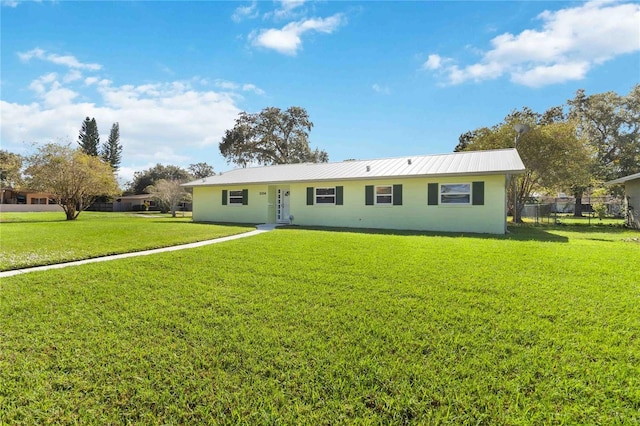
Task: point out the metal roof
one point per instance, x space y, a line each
503 161
623 179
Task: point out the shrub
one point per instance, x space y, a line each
600 209
140 208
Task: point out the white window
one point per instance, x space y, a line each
455 193
235 197
326 195
384 195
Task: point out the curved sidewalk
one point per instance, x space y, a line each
259 230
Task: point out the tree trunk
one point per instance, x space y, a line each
70 211
518 218
577 211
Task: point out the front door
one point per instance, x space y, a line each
282 203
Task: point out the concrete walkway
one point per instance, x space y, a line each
260 229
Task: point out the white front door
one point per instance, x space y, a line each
282 203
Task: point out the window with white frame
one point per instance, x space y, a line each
384 195
455 193
235 197
325 195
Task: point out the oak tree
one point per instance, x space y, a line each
271 136
611 123
147 178
553 154
201 170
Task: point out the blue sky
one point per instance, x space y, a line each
379 79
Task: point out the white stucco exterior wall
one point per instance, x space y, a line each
632 190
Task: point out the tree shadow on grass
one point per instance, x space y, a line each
16 221
515 234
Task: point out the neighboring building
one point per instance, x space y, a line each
13 200
458 192
14 196
632 197
127 203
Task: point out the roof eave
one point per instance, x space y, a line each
623 179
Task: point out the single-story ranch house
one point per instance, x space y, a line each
458 192
632 197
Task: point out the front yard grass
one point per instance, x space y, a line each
316 327
33 239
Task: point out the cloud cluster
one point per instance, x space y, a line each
233 86
288 38
570 43
288 9
246 12
65 60
159 122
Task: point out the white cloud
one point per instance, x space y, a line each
288 9
570 43
245 12
384 90
72 75
288 39
233 86
434 62
65 60
38 85
33 53
10 3
225 84
162 122
557 73
252 88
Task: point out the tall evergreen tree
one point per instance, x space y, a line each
112 150
89 138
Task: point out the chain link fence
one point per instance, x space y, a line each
549 210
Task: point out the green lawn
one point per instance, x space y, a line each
316 327
33 239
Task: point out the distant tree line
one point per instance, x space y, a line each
569 148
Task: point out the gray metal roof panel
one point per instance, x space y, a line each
504 161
